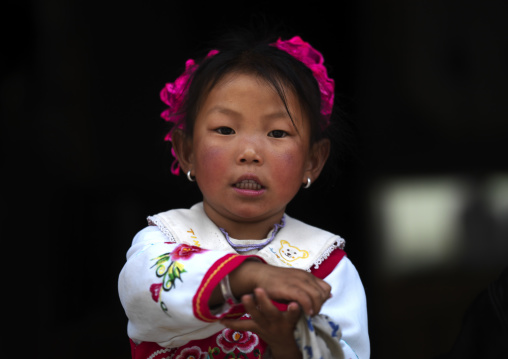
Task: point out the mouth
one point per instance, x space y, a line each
249 184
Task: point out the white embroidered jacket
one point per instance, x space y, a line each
174 264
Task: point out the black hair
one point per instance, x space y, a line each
243 53
255 57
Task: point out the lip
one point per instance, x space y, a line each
251 185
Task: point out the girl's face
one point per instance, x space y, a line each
248 158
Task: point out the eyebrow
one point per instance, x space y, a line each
229 111
224 110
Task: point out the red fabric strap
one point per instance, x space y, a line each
329 264
211 279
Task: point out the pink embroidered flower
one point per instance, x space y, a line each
192 353
313 59
184 251
230 339
155 289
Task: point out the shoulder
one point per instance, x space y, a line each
306 230
330 263
345 276
149 234
178 214
332 245
174 222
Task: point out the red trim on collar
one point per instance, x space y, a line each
328 264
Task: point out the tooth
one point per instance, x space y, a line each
248 184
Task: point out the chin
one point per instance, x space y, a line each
255 213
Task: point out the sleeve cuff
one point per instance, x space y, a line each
213 276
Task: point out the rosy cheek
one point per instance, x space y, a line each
213 154
212 161
289 163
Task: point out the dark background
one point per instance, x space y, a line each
424 84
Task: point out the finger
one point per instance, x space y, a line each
250 304
261 309
311 300
319 293
306 301
326 288
252 308
241 325
316 292
293 312
264 303
322 288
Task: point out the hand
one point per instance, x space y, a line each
276 328
283 285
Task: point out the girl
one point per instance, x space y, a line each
234 276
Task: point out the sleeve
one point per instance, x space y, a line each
164 288
348 308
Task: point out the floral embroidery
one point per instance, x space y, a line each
155 289
169 270
192 353
213 351
160 352
229 340
184 251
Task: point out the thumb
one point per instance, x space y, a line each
293 313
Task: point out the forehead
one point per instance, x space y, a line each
234 91
247 82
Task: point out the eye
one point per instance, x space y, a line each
225 130
277 134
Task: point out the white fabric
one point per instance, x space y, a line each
147 322
348 308
318 337
178 325
290 248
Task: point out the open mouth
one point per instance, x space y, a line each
248 184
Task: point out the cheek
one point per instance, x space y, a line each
290 165
288 174
211 162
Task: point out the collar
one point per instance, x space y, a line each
296 245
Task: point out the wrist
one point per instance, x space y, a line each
235 284
243 279
227 294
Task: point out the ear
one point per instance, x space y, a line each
182 145
318 156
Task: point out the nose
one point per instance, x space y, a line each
250 154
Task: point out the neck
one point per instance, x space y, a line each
258 246
242 231
238 228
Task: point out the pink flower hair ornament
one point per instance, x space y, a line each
313 59
174 93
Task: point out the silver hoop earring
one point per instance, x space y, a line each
189 177
308 183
